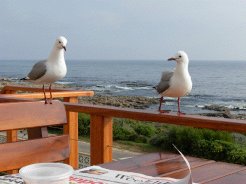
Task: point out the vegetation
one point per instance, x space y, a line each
216 145
84 125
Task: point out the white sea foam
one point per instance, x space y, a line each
63 82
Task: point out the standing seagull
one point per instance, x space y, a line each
52 69
177 83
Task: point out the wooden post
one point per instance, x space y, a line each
72 130
11 134
101 139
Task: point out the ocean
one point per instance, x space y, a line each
214 82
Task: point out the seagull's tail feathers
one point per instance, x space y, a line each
25 78
156 88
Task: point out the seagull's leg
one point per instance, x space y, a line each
45 99
51 98
179 112
161 101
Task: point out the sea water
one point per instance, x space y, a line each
214 82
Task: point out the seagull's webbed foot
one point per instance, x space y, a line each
180 113
159 109
45 98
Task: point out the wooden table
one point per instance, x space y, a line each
169 165
165 164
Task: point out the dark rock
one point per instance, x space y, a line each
240 116
222 111
219 114
215 107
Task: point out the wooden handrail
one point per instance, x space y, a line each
10 91
101 124
154 116
55 94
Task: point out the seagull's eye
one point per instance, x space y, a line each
59 41
179 56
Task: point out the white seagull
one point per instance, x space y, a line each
175 83
50 70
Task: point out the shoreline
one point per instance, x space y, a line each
135 102
139 102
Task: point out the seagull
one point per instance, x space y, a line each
175 83
50 70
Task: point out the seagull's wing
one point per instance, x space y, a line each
164 82
38 70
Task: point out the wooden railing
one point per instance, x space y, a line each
101 123
9 94
69 95
102 116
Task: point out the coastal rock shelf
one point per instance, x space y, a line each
136 102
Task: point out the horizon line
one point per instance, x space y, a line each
126 59
101 60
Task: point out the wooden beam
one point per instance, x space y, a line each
18 154
155 116
59 94
31 114
101 139
11 134
72 130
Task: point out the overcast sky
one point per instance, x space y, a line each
124 29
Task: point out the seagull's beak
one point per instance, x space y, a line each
171 59
64 48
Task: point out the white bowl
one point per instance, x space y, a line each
46 173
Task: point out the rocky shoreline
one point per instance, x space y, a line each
140 102
136 102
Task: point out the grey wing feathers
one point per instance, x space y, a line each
164 82
38 70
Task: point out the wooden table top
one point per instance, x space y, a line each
171 165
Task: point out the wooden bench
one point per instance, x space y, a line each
22 93
26 115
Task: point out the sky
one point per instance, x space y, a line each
124 29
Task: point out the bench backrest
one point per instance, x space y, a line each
24 115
